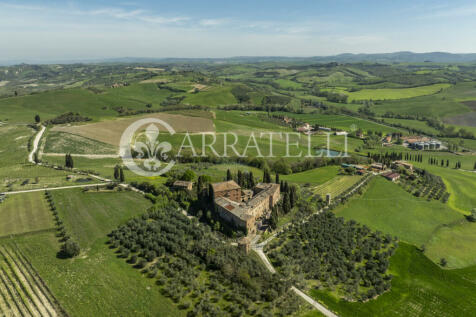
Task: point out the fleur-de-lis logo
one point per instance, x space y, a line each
151 149
150 155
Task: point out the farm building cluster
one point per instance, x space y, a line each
308 129
243 208
422 143
391 173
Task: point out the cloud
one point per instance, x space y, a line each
116 13
212 22
445 12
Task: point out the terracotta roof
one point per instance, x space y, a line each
391 175
228 185
182 183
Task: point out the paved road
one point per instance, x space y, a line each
265 260
318 306
258 248
35 144
269 266
90 156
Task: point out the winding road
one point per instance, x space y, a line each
258 248
36 141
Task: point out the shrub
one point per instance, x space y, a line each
70 249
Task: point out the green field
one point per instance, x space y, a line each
15 171
23 213
215 96
459 184
96 282
419 288
385 206
96 106
315 176
89 216
62 142
342 122
455 243
401 93
446 103
285 83
413 124
336 185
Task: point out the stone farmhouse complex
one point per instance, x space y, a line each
243 207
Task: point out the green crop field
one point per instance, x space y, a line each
387 207
336 185
91 215
413 124
456 243
23 213
96 282
215 96
446 103
62 142
99 284
419 288
315 176
96 106
400 93
286 83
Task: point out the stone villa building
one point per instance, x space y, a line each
243 207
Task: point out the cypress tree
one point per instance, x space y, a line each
240 178
211 195
251 180
286 203
228 175
116 172
274 218
121 175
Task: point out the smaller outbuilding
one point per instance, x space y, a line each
392 176
184 185
404 164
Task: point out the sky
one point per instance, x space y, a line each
68 30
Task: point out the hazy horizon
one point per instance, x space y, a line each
55 30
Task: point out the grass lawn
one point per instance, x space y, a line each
419 288
387 207
22 213
315 176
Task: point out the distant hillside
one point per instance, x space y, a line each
396 57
